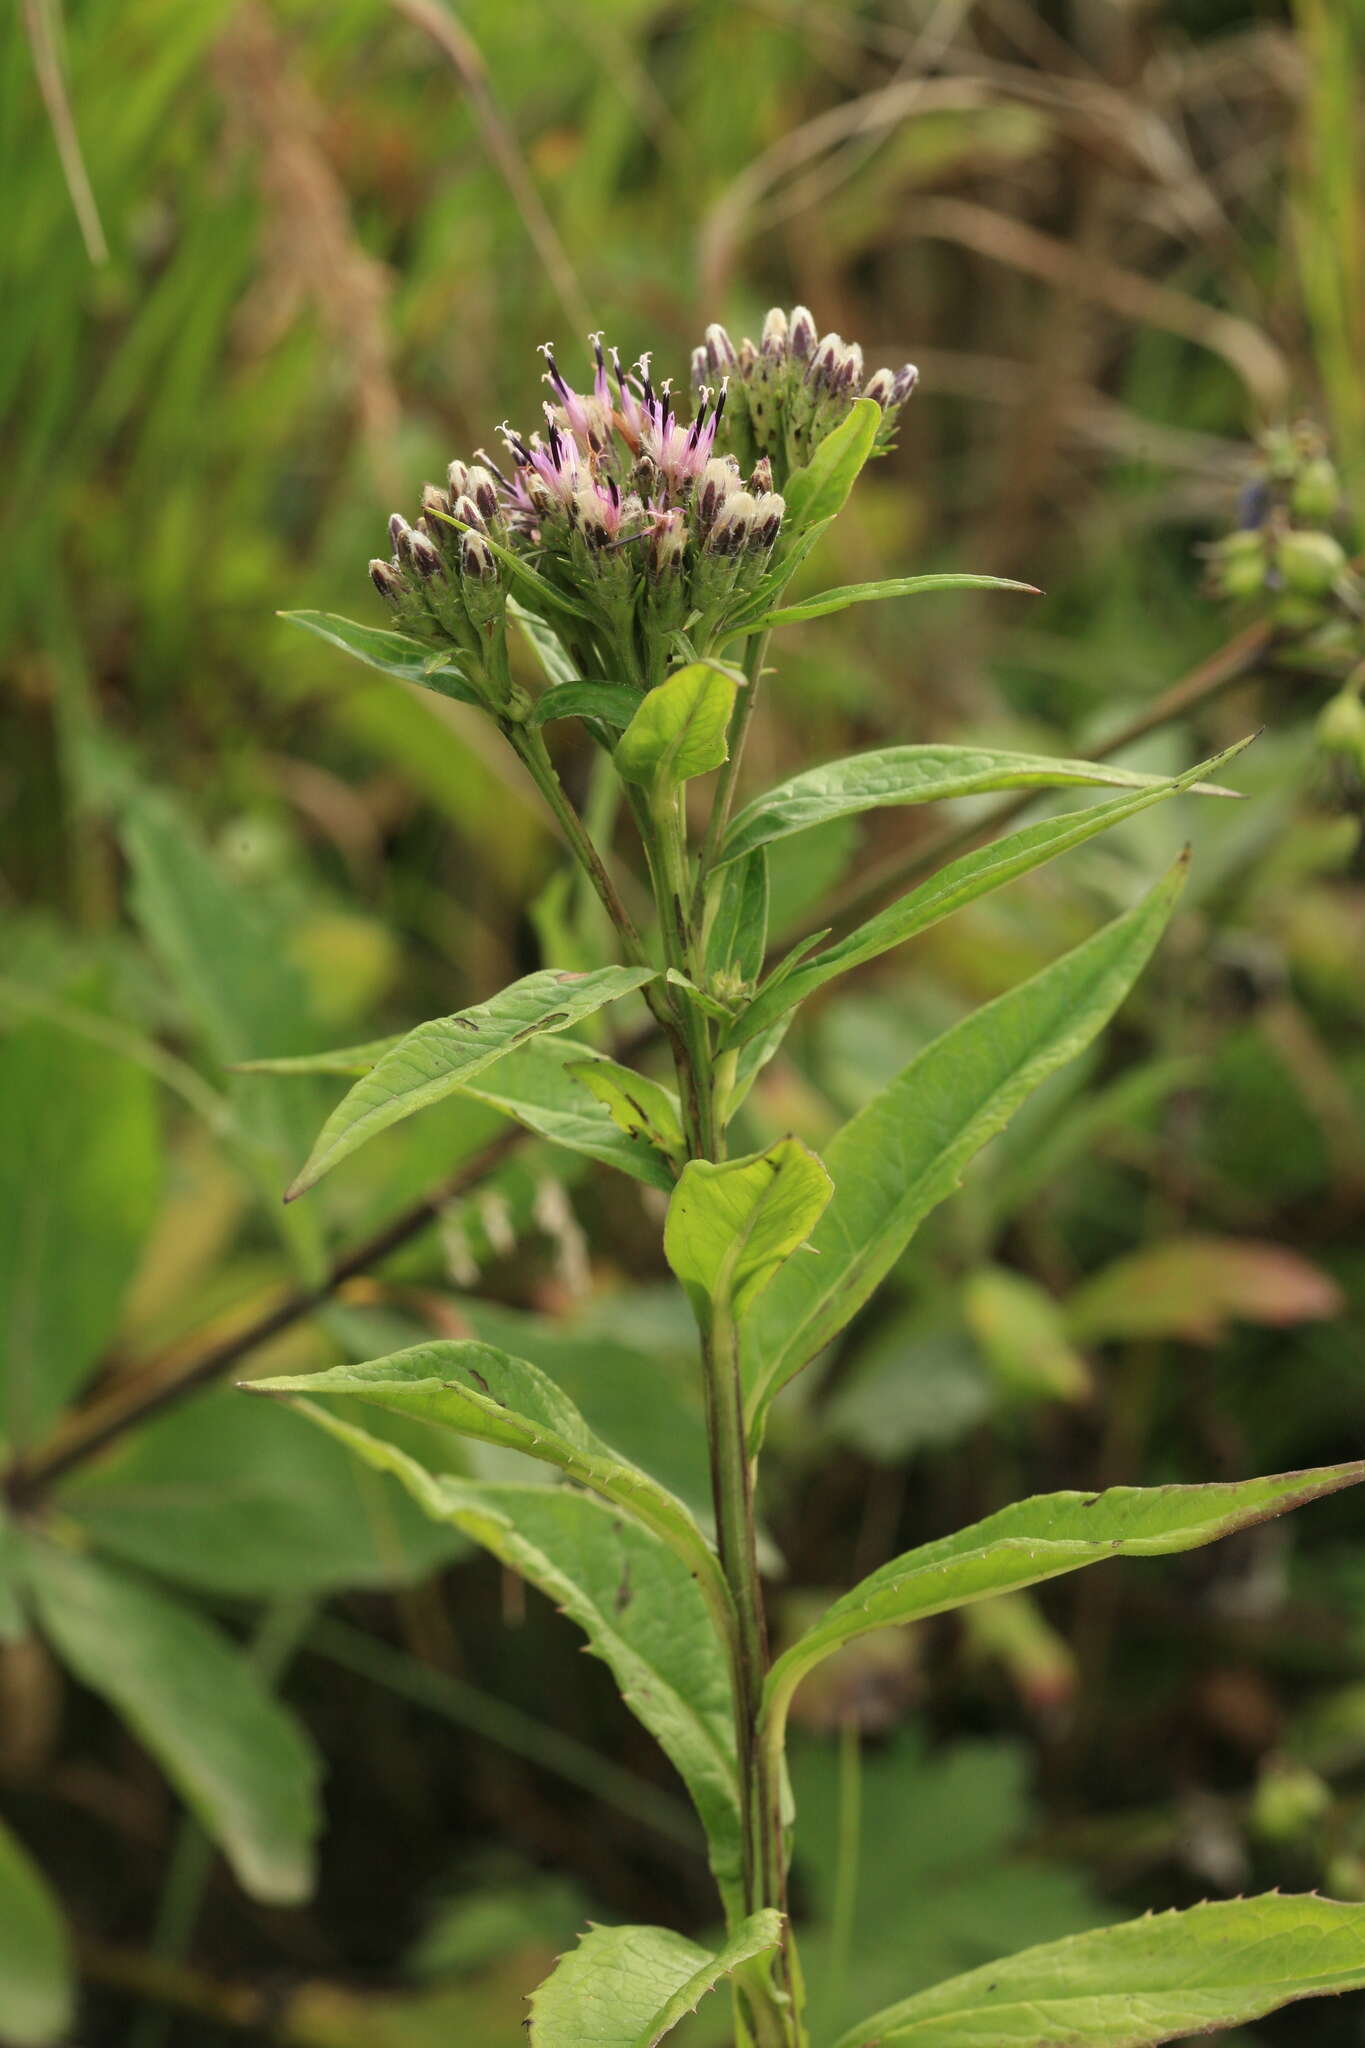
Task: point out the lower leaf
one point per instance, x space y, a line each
626 1987
1152 1980
36 1992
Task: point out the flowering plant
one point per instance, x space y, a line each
643 560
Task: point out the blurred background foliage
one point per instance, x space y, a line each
267 266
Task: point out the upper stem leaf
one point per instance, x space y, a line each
626 1987
731 1226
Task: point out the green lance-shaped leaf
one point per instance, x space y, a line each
912 775
679 729
634 1599
393 654
820 490
641 1109
615 704
1041 1539
541 1084
1163 1978
241 1762
437 1058
626 1987
847 594
37 1992
481 1392
731 1226
906 1150
954 886
737 923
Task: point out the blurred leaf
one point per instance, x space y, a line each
80 1173
944 1828
913 775
393 654
37 1992
1041 1538
487 1394
1022 1332
1192 1287
731 1226
1152 1980
237 1497
241 1762
434 1060
905 1152
916 1385
635 1601
626 1987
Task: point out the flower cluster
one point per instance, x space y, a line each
634 534
1284 547
795 387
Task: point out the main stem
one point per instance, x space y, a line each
766 1994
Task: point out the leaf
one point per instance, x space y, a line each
737 927
636 1602
80 1176
563 1090
235 1497
37 1992
1022 1332
393 654
971 1863
342 1059
1162 1978
240 1761
640 1108
438 1057
614 703
960 883
1041 1539
479 1391
1192 1287
906 1150
892 586
913 775
679 730
731 1226
549 650
819 490
626 1987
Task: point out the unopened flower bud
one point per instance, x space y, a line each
775 333
801 335
1310 562
720 350
387 581
718 479
701 369
880 386
424 554
827 358
434 501
668 542
476 559
399 535
457 477
468 513
1316 495
851 367
907 377
762 478
481 487
731 530
767 519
